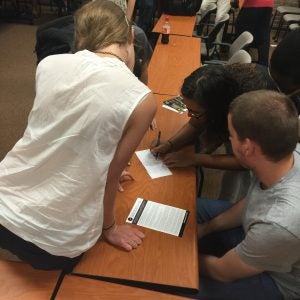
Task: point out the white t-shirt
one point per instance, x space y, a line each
52 182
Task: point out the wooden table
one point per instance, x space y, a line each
180 25
171 63
78 288
20 281
162 259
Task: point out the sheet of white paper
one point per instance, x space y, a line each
155 167
157 216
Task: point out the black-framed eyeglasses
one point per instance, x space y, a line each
195 115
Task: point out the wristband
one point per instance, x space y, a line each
109 227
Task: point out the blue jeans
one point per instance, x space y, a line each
258 287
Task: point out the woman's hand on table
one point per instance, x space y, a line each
163 147
124 236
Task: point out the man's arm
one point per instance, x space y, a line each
134 131
230 218
227 268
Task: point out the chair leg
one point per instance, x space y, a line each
273 19
280 24
233 22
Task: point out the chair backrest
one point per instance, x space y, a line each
243 40
241 56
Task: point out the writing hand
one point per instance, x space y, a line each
180 159
124 236
162 148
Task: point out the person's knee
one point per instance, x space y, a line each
209 208
203 209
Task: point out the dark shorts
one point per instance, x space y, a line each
35 256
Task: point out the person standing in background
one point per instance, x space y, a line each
146 12
255 17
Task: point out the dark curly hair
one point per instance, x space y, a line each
214 87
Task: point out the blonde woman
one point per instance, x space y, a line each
58 183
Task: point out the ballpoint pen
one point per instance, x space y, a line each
157 143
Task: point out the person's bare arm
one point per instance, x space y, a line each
130 8
140 120
227 268
182 159
183 137
229 219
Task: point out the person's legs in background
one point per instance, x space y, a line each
263 35
256 21
244 21
146 12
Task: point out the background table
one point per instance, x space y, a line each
180 25
172 62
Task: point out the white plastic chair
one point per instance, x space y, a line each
283 10
241 42
241 56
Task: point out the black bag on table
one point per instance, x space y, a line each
181 7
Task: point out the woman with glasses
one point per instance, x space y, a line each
58 183
207 93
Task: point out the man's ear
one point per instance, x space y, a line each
248 147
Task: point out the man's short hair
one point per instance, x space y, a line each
285 59
268 118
